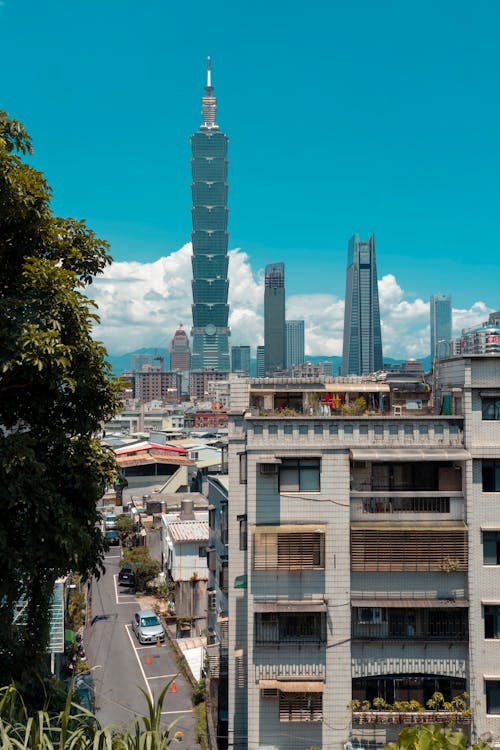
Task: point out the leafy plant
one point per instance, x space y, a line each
198 692
145 568
435 701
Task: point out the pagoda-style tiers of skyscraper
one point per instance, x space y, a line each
210 238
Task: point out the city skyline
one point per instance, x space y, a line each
428 157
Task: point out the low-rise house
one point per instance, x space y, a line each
184 549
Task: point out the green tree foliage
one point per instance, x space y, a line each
145 568
55 391
124 526
433 737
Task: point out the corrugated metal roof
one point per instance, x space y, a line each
146 459
188 531
147 446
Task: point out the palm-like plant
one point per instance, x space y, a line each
75 728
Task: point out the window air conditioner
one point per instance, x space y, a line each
268 469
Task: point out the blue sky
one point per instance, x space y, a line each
368 116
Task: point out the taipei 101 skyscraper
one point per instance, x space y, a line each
209 238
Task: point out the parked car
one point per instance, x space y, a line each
112 536
126 576
110 521
147 627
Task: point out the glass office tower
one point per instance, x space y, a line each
274 319
294 343
440 305
362 350
240 359
209 237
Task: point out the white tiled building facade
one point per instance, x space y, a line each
363 574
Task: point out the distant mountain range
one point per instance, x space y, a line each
122 362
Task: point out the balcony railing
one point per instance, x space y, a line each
375 631
411 717
406 505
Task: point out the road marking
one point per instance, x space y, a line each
189 711
127 628
115 576
162 676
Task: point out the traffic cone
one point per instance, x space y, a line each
148 658
174 686
158 641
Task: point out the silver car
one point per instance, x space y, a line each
147 627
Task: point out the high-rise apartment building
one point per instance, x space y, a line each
152 383
274 318
362 350
240 359
440 316
260 363
348 619
180 353
294 343
209 238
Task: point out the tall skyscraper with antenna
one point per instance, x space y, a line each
209 237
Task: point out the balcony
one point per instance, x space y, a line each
409 546
410 624
449 718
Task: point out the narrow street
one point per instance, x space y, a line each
121 667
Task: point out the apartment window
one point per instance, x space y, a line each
318 429
289 548
438 429
272 429
491 547
243 468
257 430
243 531
299 475
423 429
212 559
288 429
202 551
301 706
223 524
492 621
493 697
212 600
393 429
211 517
408 429
224 577
293 627
490 408
363 429
348 429
333 429
303 429
491 475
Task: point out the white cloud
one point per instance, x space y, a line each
141 305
